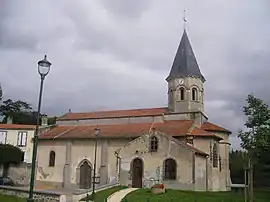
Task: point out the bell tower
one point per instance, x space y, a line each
185 81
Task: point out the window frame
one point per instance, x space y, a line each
52 158
182 93
5 139
170 95
153 147
170 169
19 142
215 155
194 94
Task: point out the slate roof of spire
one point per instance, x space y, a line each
185 63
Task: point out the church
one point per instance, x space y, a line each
175 145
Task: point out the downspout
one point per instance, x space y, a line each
118 166
193 171
206 179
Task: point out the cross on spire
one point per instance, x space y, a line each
184 19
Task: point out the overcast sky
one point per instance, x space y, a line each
116 54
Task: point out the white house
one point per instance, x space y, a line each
21 135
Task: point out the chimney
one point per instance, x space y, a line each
44 120
69 111
9 120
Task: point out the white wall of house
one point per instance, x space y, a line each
21 138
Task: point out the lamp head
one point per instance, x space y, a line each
97 132
44 67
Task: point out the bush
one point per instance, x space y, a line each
10 154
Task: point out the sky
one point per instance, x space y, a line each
109 55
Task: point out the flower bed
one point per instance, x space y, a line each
158 189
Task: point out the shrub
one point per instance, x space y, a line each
161 186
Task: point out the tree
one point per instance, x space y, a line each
21 113
10 107
18 110
52 120
238 158
9 154
255 137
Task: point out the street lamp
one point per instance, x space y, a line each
97 133
43 69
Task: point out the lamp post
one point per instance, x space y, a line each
43 70
97 133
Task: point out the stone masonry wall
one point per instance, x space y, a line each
19 174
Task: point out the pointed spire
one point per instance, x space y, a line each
185 63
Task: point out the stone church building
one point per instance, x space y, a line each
175 145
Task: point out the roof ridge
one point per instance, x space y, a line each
191 128
113 110
69 129
114 113
151 126
128 123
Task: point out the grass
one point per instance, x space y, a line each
6 198
102 195
144 195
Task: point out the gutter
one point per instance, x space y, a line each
118 165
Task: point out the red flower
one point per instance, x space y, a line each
161 186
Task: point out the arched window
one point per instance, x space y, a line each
194 94
170 169
153 144
215 155
182 93
220 163
52 159
170 97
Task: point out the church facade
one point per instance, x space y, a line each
174 145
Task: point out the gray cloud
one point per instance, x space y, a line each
116 55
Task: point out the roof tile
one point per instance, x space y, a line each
114 114
17 126
200 132
212 127
174 128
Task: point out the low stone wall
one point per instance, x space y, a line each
20 174
38 195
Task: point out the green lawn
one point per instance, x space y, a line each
102 195
6 198
144 195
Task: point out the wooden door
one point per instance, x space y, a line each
137 173
85 176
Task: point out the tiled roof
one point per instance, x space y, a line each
17 126
212 127
173 128
114 114
200 132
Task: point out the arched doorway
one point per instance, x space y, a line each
85 176
137 173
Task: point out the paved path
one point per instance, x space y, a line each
119 195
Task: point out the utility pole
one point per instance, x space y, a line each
250 179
